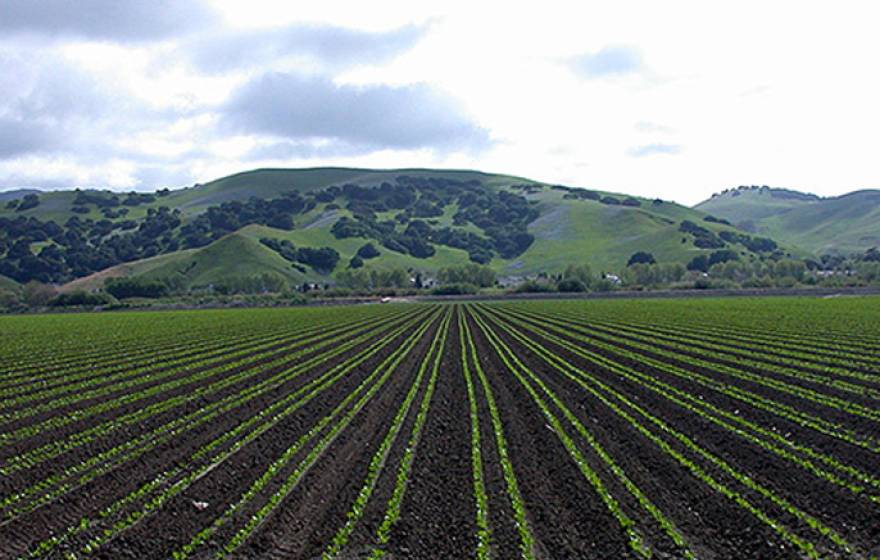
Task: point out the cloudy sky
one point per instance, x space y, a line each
672 99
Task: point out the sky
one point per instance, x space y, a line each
668 99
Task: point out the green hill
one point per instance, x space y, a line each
835 225
261 183
278 224
8 284
231 260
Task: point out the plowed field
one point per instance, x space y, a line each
746 428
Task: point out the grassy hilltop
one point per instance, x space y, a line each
843 224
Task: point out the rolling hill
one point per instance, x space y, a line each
8 284
836 225
419 219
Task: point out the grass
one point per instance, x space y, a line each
842 224
583 231
347 248
234 256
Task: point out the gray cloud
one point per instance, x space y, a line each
609 61
654 149
119 20
331 46
52 107
301 108
56 113
39 95
45 87
19 137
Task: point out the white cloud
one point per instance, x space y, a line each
736 90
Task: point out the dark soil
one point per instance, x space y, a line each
564 512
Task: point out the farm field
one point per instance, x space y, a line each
693 428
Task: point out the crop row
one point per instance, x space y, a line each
727 379
334 422
798 369
759 344
309 432
58 484
81 341
614 358
127 511
122 360
127 381
690 455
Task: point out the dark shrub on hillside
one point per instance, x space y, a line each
325 196
722 256
368 251
754 244
407 244
708 242
426 209
136 199
631 201
480 256
122 288
417 228
323 260
283 247
688 226
610 200
699 263
703 238
761 245
715 220
355 262
641 257
346 227
29 201
280 221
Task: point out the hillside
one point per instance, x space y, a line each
305 225
836 225
261 183
8 284
16 193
